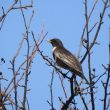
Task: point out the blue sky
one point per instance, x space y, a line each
64 20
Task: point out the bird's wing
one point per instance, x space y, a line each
68 58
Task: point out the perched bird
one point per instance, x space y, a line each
66 59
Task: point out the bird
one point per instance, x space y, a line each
65 59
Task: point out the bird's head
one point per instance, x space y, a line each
56 42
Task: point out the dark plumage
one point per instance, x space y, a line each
66 59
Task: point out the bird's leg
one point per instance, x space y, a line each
75 84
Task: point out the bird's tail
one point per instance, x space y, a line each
82 76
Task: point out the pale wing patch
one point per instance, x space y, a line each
69 59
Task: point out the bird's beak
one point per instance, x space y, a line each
49 41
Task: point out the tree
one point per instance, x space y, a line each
14 94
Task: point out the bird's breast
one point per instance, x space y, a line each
54 48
